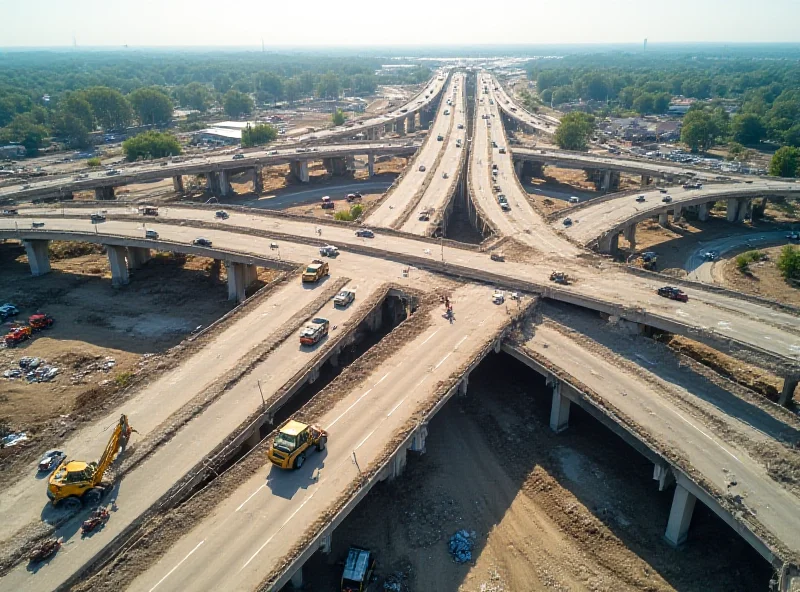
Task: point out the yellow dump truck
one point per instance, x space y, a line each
316 270
293 441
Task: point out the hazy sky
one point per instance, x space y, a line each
413 22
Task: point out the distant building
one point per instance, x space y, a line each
12 151
680 105
219 135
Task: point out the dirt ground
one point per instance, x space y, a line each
762 278
94 324
575 511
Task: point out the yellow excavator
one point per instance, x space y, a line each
75 483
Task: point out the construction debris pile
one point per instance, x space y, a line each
100 365
461 544
33 369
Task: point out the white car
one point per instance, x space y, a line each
498 297
574 200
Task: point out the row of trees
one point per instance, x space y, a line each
71 94
258 135
151 144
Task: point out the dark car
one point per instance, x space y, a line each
8 310
672 293
222 215
51 459
365 233
201 242
97 218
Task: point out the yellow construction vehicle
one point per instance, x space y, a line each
75 483
315 271
288 449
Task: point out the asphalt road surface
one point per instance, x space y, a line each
720 460
390 212
701 269
239 543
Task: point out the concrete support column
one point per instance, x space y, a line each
606 183
645 180
177 183
663 219
744 209
325 543
664 475
733 209
463 385
250 274
680 516
411 123
388 128
630 236
297 579
676 213
559 411
225 188
400 126
609 244
335 166
371 164
137 256
236 285
258 181
787 393
38 252
518 169
702 212
212 183
300 170
418 440
104 193
117 257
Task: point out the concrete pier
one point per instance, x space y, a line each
677 213
745 205
104 193
118 259
38 252
559 411
411 123
663 219
680 516
371 164
240 276
733 209
702 212
630 235
297 579
177 184
299 169
609 244
418 440
787 393
137 257
258 181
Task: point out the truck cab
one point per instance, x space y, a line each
315 271
358 568
289 447
314 331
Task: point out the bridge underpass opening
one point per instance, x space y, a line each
389 313
550 511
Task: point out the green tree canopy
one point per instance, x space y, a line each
74 120
789 262
194 96
237 103
701 129
747 129
328 86
258 135
270 84
785 162
25 130
111 110
644 104
338 117
151 144
152 106
574 131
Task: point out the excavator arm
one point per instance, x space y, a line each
122 432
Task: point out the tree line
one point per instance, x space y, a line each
70 95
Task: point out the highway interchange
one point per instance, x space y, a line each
246 537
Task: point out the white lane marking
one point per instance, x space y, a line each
251 497
442 360
396 406
720 446
463 339
382 379
276 533
177 566
333 423
366 438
